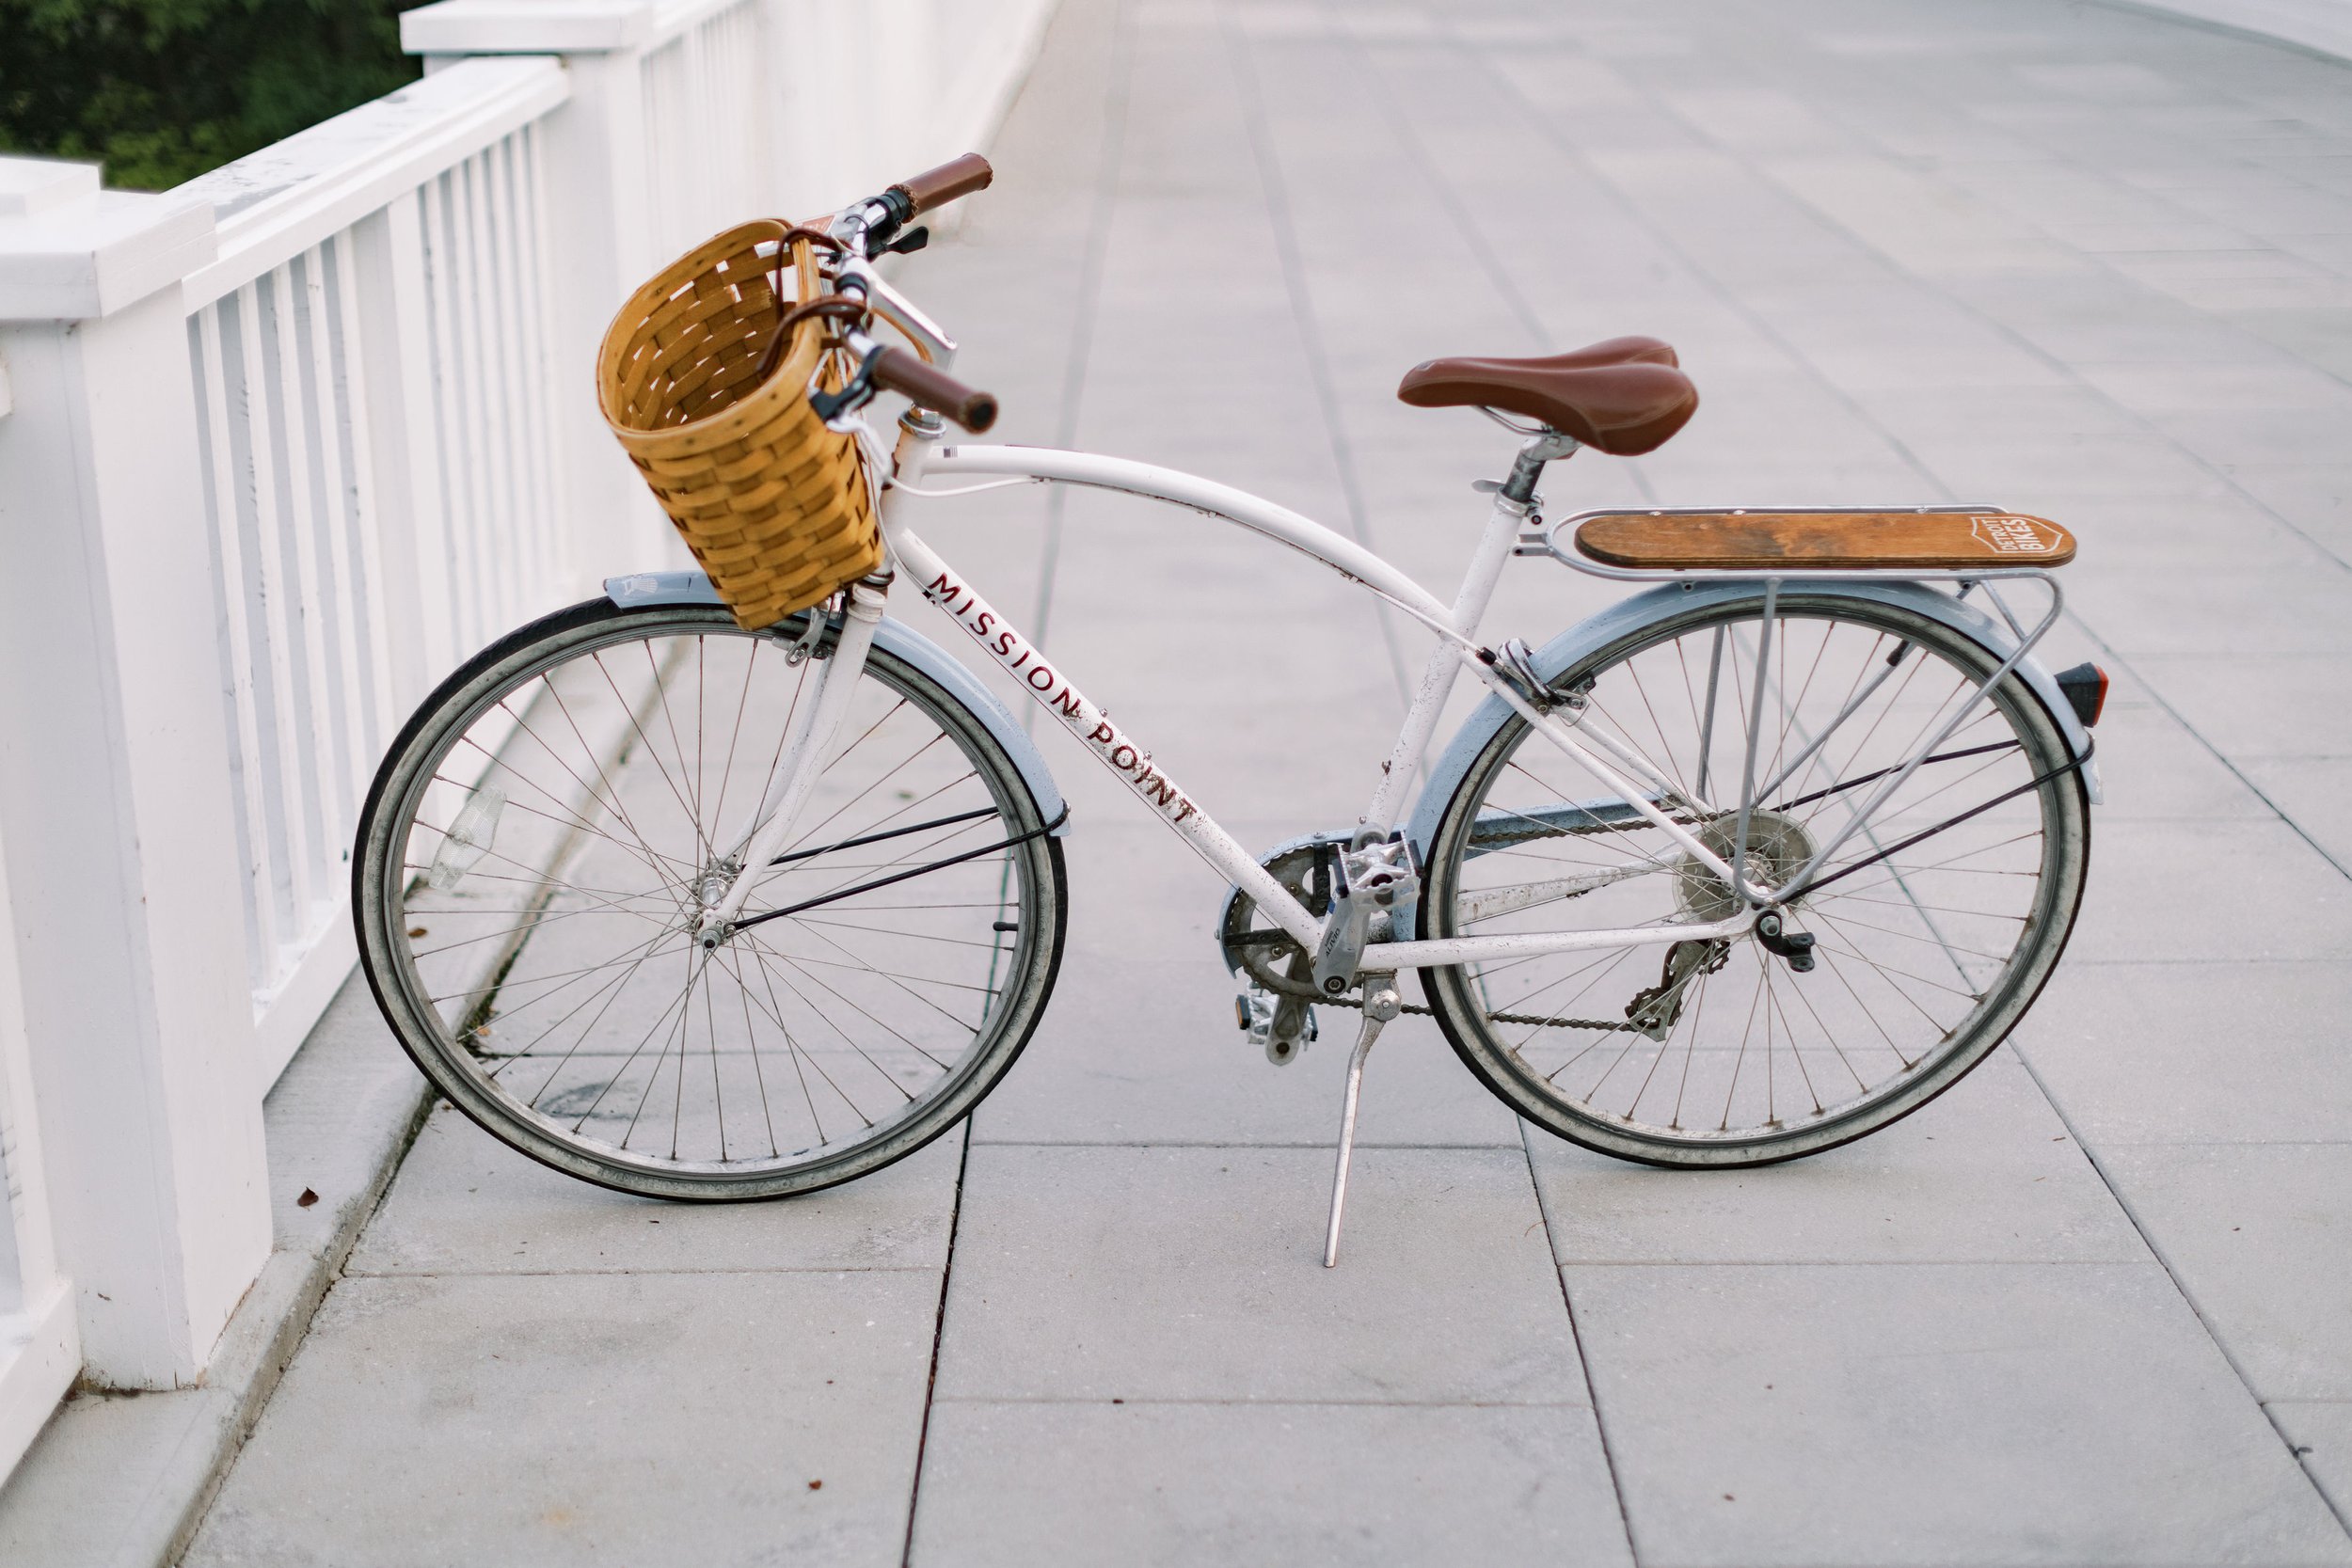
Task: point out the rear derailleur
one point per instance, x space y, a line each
1653 1011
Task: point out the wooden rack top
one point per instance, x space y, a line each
1765 538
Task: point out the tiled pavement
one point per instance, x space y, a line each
2093 1306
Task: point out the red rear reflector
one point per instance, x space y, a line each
2085 688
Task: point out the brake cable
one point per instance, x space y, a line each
2074 766
1870 778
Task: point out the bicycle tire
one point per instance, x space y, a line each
532 709
2012 739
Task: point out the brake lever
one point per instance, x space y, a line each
907 242
855 393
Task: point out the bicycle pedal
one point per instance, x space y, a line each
1284 1027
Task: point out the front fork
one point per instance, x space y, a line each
808 744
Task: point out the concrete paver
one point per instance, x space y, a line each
1985 1173
2152 768
2224 890
556 1418
2254 705
465 1204
2312 792
2196 1053
1182 1484
2256 1233
2322 1435
1929 1413
1194 1273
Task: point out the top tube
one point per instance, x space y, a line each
1222 501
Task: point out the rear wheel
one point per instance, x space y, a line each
1935 922
546 828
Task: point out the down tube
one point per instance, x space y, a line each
1053 692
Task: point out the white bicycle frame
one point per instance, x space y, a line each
922 459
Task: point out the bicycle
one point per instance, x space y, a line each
1754 864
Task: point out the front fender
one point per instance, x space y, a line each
640 589
1589 637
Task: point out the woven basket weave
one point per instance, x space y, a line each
773 504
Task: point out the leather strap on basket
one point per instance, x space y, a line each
799 233
839 309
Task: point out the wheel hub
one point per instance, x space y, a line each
1778 848
710 886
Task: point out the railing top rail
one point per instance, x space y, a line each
550 26
279 201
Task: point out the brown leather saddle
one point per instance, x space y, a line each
1624 397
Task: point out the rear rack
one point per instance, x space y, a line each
2001 569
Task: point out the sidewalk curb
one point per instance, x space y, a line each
124 1480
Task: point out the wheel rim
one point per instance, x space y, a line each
1720 1050
556 837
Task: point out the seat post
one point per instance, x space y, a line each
1543 447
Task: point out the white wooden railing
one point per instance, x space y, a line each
373 407
278 448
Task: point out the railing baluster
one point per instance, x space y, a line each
301 614
310 403
452 409
230 597
273 710
374 692
499 280
547 560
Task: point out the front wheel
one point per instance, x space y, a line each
545 833
1935 922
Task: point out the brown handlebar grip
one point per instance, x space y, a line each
895 369
936 187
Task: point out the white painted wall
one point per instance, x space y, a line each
278 448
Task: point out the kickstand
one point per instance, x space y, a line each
1381 1004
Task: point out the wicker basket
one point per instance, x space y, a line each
774 505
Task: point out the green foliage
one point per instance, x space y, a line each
163 90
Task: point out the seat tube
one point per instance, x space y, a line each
1495 546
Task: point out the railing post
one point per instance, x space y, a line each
115 805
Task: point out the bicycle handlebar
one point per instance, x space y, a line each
877 221
936 187
896 370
